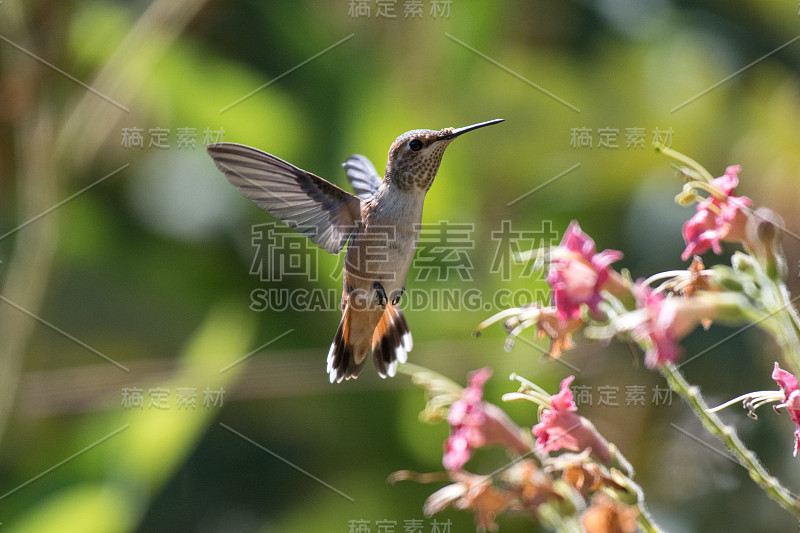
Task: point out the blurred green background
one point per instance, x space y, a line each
130 267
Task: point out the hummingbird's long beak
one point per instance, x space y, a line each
458 131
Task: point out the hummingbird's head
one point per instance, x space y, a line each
414 157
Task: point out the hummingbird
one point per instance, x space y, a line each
379 224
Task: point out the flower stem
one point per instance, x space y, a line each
686 160
790 343
646 522
714 425
780 320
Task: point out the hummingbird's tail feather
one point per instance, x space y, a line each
345 360
391 341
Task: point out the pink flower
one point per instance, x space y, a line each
657 326
719 218
578 274
660 322
664 321
791 400
560 427
475 423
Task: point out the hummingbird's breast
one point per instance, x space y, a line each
383 249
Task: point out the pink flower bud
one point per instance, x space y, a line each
561 428
791 400
578 274
475 423
718 218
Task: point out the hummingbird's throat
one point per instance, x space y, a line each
417 174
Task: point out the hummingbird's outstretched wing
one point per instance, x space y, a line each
362 175
317 208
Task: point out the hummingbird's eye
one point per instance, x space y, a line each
415 145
